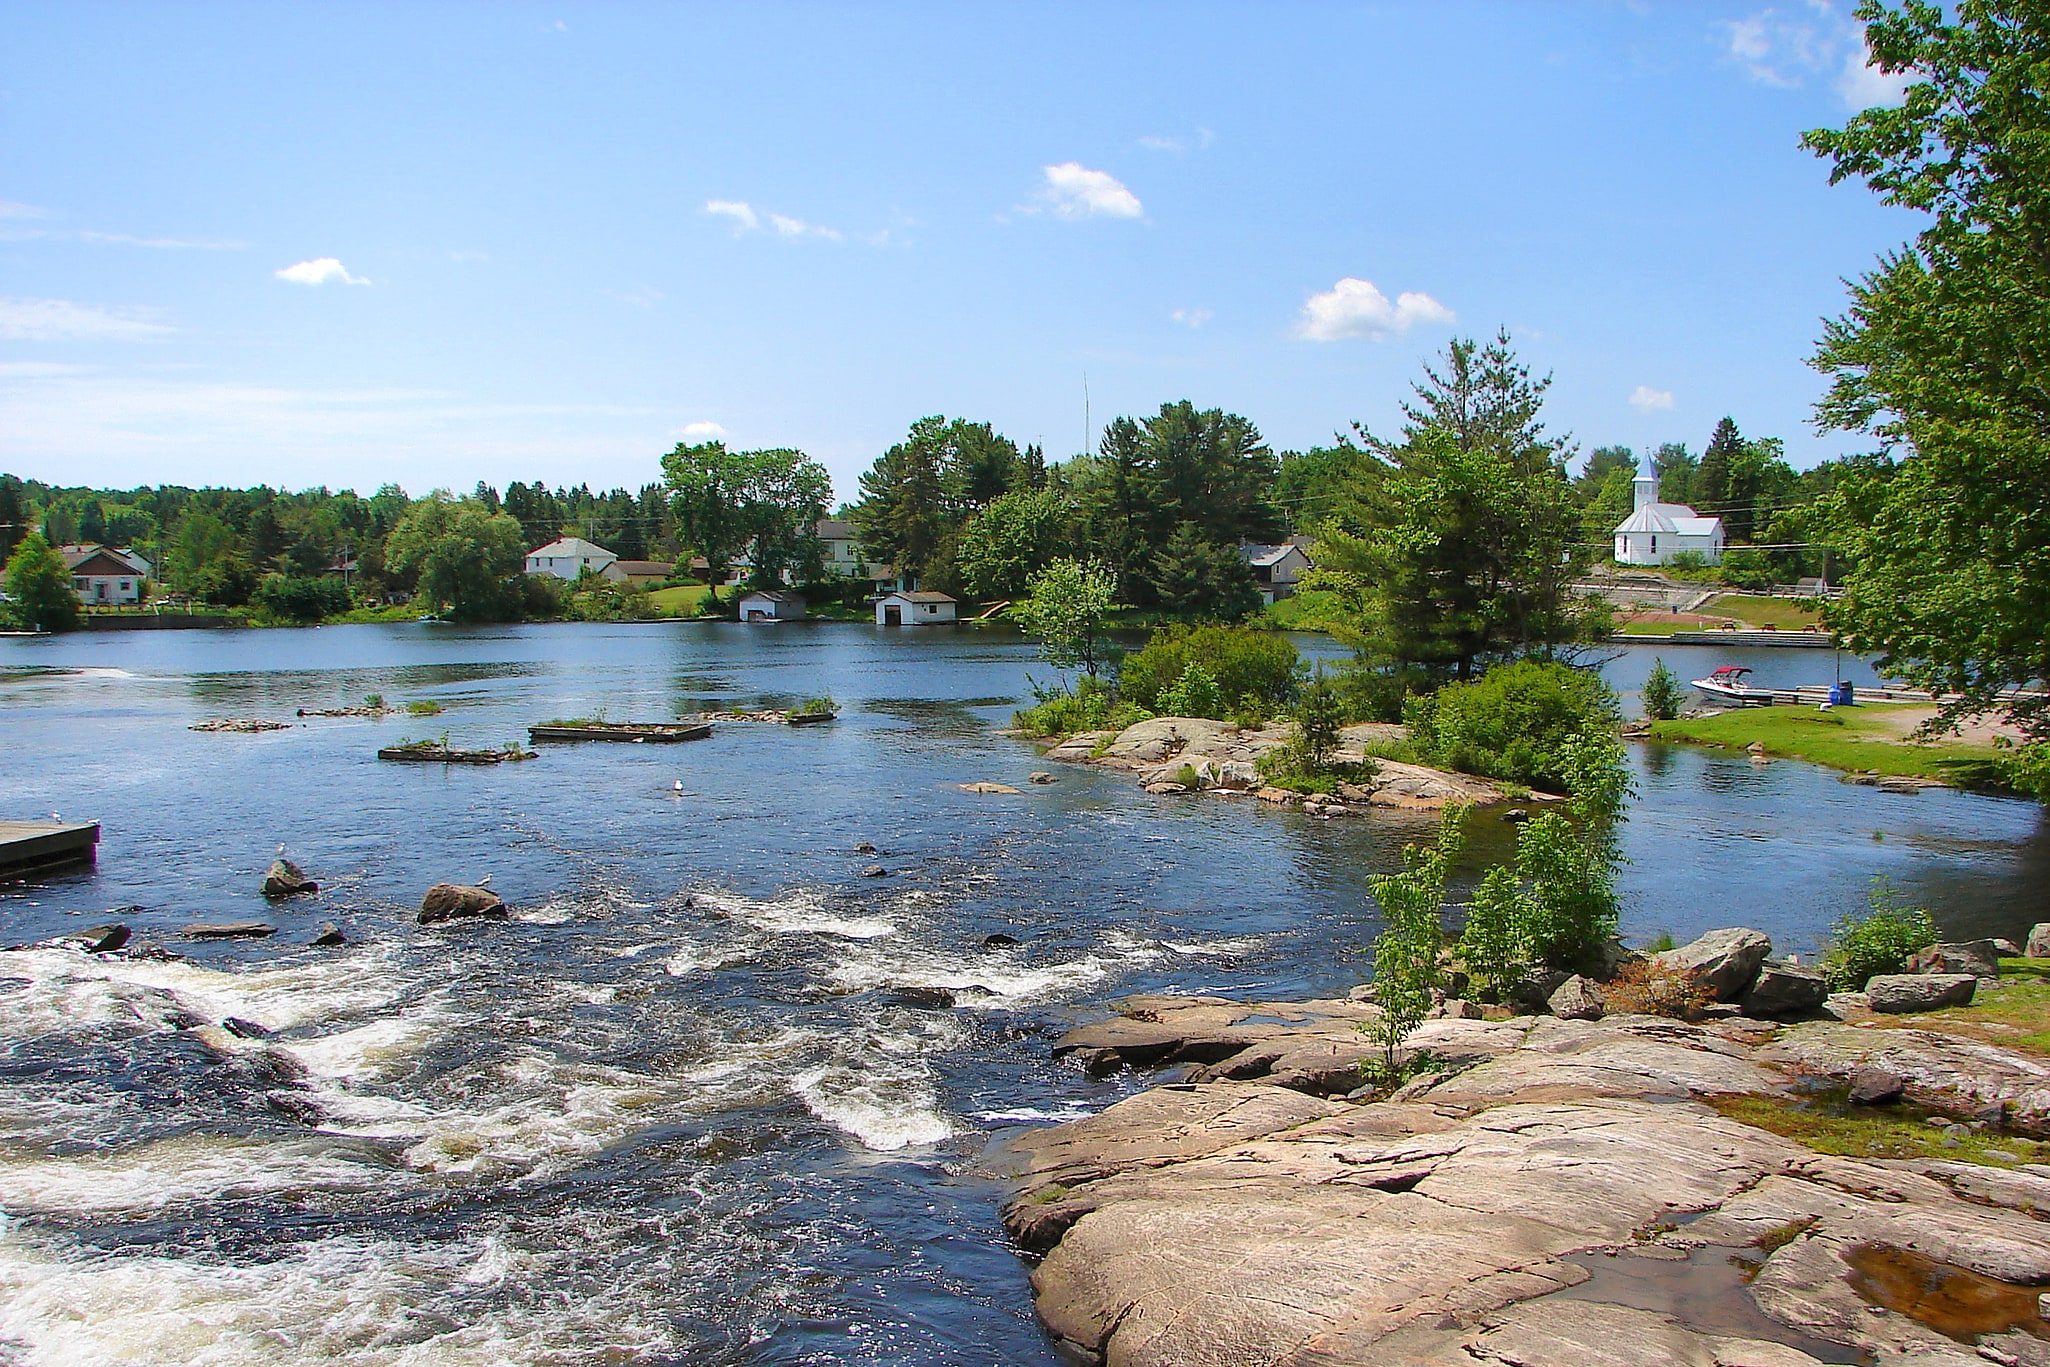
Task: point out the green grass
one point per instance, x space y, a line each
685 600
2022 1007
1783 614
1827 1124
424 707
1310 610
1842 738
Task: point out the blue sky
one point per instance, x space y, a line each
347 244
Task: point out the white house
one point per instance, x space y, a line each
1655 532
919 609
840 544
569 557
770 605
103 575
1277 569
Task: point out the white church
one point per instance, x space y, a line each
1655 532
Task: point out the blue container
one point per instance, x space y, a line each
1842 695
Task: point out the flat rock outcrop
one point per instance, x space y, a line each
1935 1068
1225 758
1494 1213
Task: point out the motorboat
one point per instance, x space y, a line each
1726 685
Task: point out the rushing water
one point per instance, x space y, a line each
672 1111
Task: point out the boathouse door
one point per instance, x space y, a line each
893 616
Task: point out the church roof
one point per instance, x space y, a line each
1672 519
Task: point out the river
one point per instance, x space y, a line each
671 1111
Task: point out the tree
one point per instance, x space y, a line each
917 494
1471 542
299 598
1318 722
1675 465
1942 355
1196 577
1406 954
40 586
466 557
1661 693
1710 490
13 515
767 503
1066 611
1009 541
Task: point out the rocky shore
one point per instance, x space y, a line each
1547 1193
1224 759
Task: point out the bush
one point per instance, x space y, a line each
1091 707
1194 694
1514 722
1244 664
1661 693
299 598
1317 722
1881 941
1646 987
1406 954
1189 778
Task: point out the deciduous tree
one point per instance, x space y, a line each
40 586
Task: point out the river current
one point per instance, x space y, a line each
678 1108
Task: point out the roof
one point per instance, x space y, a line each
1256 554
773 595
922 596
662 568
573 546
77 554
836 529
1674 519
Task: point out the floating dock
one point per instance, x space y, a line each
658 732
26 845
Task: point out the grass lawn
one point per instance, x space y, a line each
1841 738
2015 1015
685 600
1782 614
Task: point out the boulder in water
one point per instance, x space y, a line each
287 879
328 936
230 930
460 902
875 871
100 939
929 998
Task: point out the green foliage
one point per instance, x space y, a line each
1067 610
1201 578
1004 544
766 502
40 586
1662 694
1194 694
424 707
1514 722
593 598
815 707
917 496
1406 954
1464 553
1318 719
297 598
1940 356
1881 941
464 556
1091 707
1189 778
2026 769
1245 664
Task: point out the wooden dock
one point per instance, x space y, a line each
26 845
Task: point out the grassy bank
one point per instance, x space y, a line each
1756 610
1864 738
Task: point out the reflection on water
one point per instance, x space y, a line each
682 1105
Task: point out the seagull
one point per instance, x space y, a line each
484 881
281 849
677 786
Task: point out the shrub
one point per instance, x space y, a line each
298 598
814 707
423 707
1194 694
1514 722
1188 777
1406 954
1317 722
1091 707
1881 941
1646 987
1661 693
1241 662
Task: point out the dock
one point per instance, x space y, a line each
26 845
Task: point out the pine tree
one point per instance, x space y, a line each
1710 493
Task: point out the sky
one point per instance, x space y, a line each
351 244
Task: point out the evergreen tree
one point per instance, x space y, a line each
1675 465
1197 577
1710 490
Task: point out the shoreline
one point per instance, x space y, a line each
1554 1193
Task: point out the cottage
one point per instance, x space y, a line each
103 576
569 557
770 605
919 609
639 574
841 557
1277 569
1655 532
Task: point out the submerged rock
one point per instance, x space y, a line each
230 930
328 936
103 939
1042 776
1900 992
1726 961
460 902
929 998
987 787
875 871
286 879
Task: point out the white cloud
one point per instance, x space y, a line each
787 226
1355 308
1786 51
741 212
318 271
1072 190
1645 399
1154 142
10 209
169 243
52 320
702 431
1191 318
